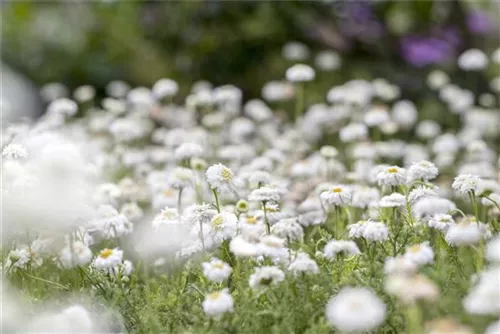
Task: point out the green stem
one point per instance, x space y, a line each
413 317
299 101
216 200
268 226
179 200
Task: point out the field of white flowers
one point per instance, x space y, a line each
142 213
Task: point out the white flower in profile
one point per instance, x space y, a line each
422 170
266 276
441 221
355 310
216 270
399 265
15 151
463 233
165 88
300 73
75 254
288 229
465 183
241 247
167 216
392 176
303 264
217 303
394 200
188 151
265 194
220 178
338 195
375 231
472 60
63 106
273 247
108 259
410 289
18 258
421 254
328 61
421 192
334 247
493 250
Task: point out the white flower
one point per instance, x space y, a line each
165 88
333 247
409 289
295 51
132 211
421 192
75 254
431 206
465 183
494 328
223 225
273 246
300 73
217 303
484 297
421 254
288 229
241 247
303 264
441 221
422 170
167 216
493 250
364 196
353 132
463 233
181 178
375 231
216 270
266 276
108 259
328 60
400 265
393 200
355 310
110 223
376 116
15 151
220 178
472 60
188 151
404 113
437 79
392 176
264 194
338 195
63 106
18 258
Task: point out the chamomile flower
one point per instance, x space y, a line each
15 151
394 200
338 195
220 178
300 73
217 303
465 183
392 176
400 265
303 264
288 229
355 310
334 247
266 276
75 254
108 259
421 254
223 225
265 194
493 250
216 270
422 170
441 221
463 233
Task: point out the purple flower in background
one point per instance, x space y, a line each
478 22
423 51
357 20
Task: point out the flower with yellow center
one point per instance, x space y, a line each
392 170
337 190
251 220
105 253
214 295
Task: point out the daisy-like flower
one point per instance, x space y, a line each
188 151
399 265
493 250
421 254
363 196
220 178
165 88
463 233
410 289
465 183
75 254
168 216
15 151
216 270
441 221
223 225
303 264
288 229
338 195
484 297
108 259
181 178
242 247
375 231
355 310
392 176
334 247
264 194
421 192
18 258
300 73
266 276
422 170
393 200
217 303
273 246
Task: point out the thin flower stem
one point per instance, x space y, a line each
179 200
299 101
268 227
216 200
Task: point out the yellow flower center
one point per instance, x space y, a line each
214 295
415 248
392 170
337 190
217 220
218 265
251 220
272 209
168 192
105 253
226 174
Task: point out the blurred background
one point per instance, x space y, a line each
242 43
